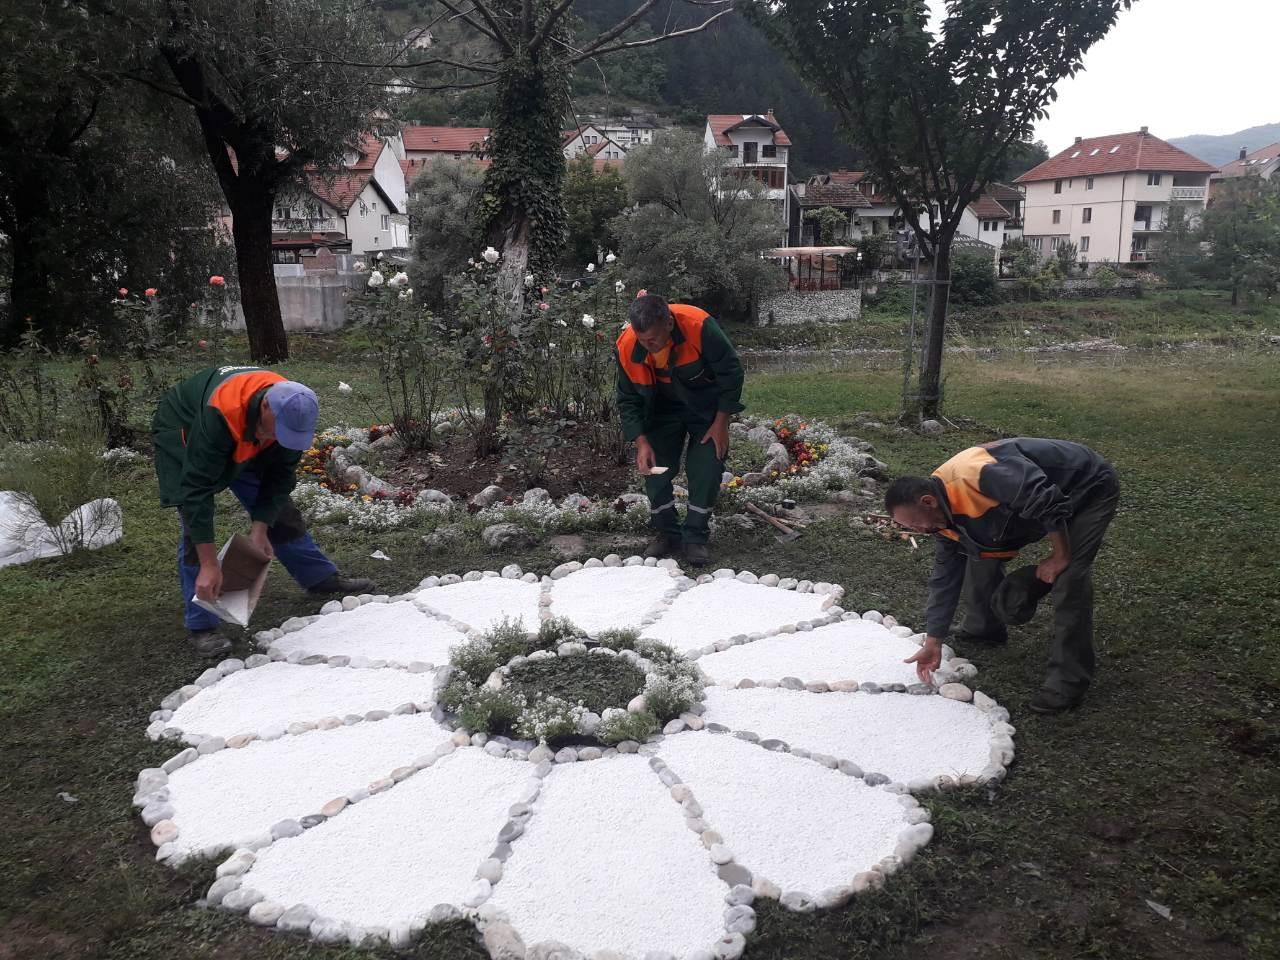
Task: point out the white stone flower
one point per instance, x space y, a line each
610 258
619 286
344 387
490 255
588 321
343 803
591 268
401 279
376 279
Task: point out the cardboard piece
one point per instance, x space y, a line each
244 571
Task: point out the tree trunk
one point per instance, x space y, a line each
930 393
251 231
30 287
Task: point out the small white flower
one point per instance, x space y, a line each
528 279
376 279
588 321
610 258
361 266
490 255
551 346
619 287
470 262
561 323
344 387
401 279
591 268
406 294
577 285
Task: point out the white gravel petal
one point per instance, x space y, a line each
796 823
390 859
902 736
607 598
229 796
607 863
849 650
482 603
725 608
379 631
282 693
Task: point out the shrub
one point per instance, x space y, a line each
491 711
50 482
549 719
1106 277
624 639
556 631
973 279
508 639
475 659
595 681
619 725
668 697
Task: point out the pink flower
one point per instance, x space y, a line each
124 291
544 291
642 292
544 306
149 292
217 281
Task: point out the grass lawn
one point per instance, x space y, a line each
1164 787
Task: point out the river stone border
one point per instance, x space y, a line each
227 892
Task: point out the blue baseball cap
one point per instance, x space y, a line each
296 410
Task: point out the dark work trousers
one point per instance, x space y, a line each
1071 654
293 547
668 434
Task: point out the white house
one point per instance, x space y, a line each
594 141
361 207
756 145
1110 196
1264 163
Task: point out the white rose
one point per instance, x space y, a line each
610 258
561 323
490 255
376 279
344 387
619 287
406 294
588 320
528 279
591 268
401 279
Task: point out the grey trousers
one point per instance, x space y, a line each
1071 655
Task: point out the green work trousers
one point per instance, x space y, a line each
1071 654
669 432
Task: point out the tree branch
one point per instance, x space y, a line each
548 24
601 51
617 29
465 18
499 35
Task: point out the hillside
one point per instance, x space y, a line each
1225 148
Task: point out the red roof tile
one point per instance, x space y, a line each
838 189
443 139
722 123
1118 153
1252 162
1003 192
599 165
987 207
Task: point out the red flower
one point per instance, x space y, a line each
217 281
124 291
202 344
149 292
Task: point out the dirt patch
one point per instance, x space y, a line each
572 465
22 940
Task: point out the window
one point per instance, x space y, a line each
364 209
1076 154
1084 244
1057 186
373 205
1035 243
1115 149
1088 183
1094 151
1153 179
769 150
282 213
386 221
733 149
1057 216
1086 215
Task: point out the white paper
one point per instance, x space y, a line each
658 471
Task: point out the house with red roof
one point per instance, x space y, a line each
1264 163
755 145
423 144
1111 195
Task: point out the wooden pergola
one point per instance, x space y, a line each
811 268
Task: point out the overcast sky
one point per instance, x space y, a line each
1176 66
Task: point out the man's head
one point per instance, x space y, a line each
651 319
913 504
288 415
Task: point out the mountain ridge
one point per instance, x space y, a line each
1221 149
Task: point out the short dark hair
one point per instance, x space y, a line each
906 491
648 312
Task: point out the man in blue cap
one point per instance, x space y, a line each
242 429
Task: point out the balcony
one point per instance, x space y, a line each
1148 226
1141 256
1187 193
306 225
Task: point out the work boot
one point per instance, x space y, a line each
1049 701
661 546
208 643
340 584
696 554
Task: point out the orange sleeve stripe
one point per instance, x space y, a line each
641 374
690 320
959 477
231 399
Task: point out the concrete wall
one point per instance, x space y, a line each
314 302
811 306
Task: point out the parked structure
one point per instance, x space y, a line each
756 146
1110 196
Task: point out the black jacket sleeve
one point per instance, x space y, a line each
945 584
